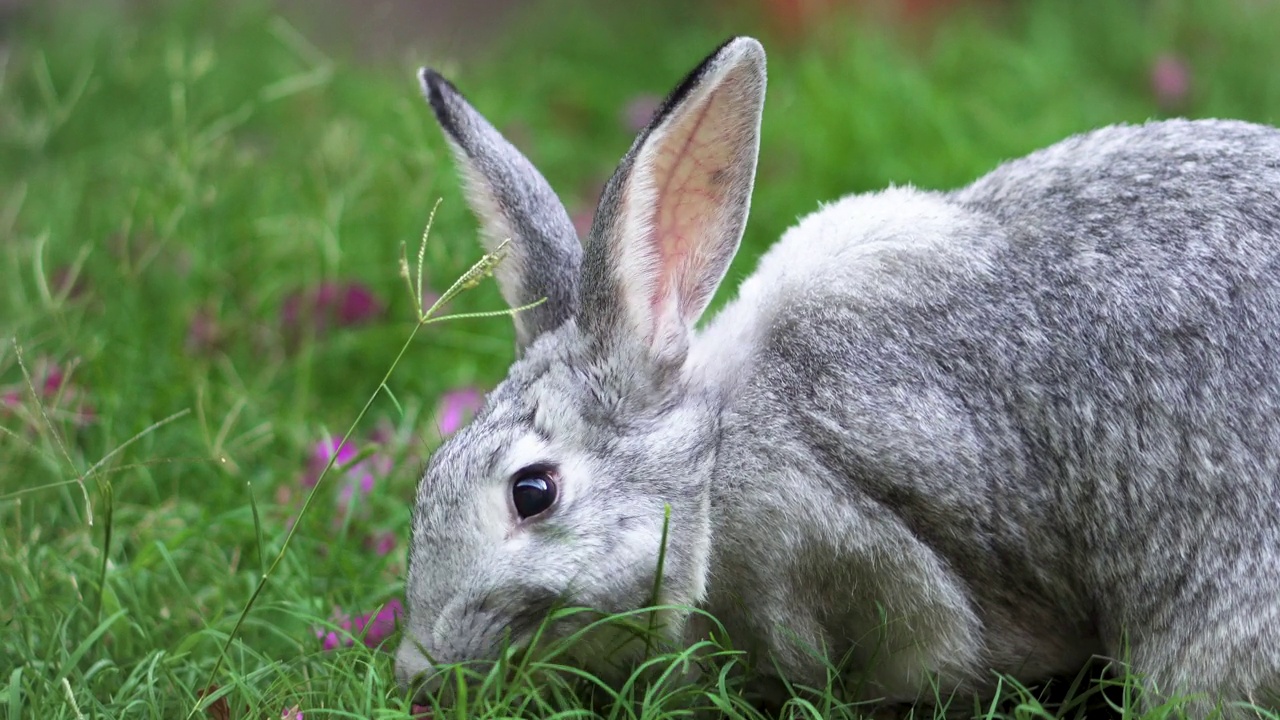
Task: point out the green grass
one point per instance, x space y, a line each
206 160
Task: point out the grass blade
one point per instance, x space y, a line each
108 510
74 658
257 529
15 693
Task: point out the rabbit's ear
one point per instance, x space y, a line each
512 200
671 217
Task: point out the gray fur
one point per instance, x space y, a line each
1023 423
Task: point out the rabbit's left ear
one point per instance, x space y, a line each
513 202
671 217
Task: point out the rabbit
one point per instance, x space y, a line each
936 438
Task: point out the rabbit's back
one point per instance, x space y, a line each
1134 323
1149 260
1061 380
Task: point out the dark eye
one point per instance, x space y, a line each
534 491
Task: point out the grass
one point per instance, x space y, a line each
173 176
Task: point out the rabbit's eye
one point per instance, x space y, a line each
534 491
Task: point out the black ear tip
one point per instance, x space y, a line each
438 91
434 85
430 78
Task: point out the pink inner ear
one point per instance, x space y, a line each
691 169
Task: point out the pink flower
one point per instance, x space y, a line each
379 626
637 113
332 640
384 433
321 452
84 415
382 544
357 305
60 395
363 480
376 627
1170 82
457 407
365 473
342 304
53 381
292 713
358 478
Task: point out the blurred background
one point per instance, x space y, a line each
262 147
204 206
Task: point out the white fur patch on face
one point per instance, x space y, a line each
575 477
494 516
525 451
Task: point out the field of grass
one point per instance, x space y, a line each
201 221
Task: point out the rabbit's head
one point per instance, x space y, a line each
556 494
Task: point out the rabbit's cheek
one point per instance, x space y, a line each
462 631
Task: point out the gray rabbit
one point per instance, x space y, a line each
936 435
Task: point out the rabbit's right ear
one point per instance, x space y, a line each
512 200
671 216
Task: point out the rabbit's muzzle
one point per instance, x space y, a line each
432 683
472 631
414 672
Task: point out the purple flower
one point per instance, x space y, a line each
321 452
342 304
379 626
53 381
330 640
376 627
382 544
357 305
361 476
1170 82
292 713
292 310
457 407
62 396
